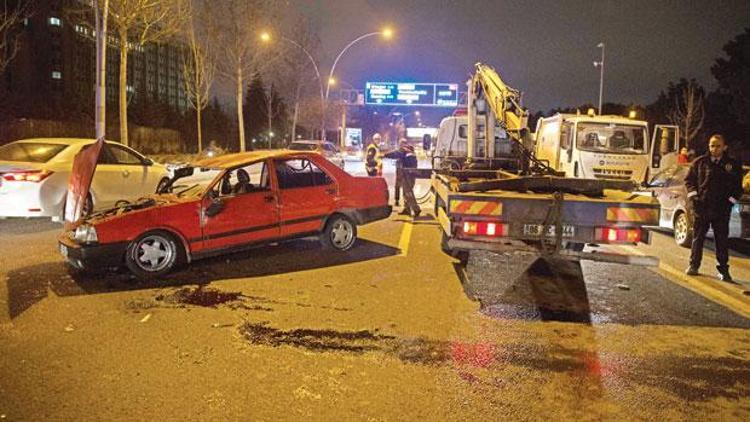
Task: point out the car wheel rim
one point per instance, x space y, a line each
154 253
680 232
342 233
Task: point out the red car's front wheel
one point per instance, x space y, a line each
153 254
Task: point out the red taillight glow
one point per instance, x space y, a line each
484 228
618 235
27 176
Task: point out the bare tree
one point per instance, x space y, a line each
143 21
10 18
300 68
235 29
198 71
688 111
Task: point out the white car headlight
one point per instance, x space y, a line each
85 234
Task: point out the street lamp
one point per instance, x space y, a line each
387 33
266 37
342 128
600 65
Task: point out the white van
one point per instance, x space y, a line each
451 143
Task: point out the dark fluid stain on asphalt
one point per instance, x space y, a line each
205 296
689 378
209 297
314 340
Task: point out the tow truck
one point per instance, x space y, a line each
492 216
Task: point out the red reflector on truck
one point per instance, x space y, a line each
484 228
618 235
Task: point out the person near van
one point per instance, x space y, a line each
682 157
714 185
373 164
406 159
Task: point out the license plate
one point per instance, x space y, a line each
64 250
536 230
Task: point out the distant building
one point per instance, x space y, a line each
55 66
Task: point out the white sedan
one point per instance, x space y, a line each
34 176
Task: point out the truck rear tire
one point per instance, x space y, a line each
462 256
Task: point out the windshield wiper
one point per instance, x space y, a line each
186 189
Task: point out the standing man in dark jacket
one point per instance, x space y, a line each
407 160
714 184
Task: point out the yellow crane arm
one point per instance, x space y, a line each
504 101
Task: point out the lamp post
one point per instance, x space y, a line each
600 65
342 137
387 33
266 37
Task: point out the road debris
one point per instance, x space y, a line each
623 286
146 318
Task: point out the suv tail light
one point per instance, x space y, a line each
35 176
618 235
484 228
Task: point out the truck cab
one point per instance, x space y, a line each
594 147
605 147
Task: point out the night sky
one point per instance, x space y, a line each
544 48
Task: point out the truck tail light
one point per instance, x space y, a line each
35 176
618 235
484 228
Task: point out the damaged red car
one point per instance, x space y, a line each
223 204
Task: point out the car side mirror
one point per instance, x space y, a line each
217 204
148 162
570 154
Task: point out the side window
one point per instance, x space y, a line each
300 173
463 131
661 178
106 157
566 136
123 156
247 179
678 177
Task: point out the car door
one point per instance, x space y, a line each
665 145
232 216
674 194
138 178
107 186
658 185
307 195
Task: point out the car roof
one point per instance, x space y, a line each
309 141
61 141
239 158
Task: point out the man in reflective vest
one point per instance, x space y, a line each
373 164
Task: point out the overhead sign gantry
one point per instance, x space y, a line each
411 94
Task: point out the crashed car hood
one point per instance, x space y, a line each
79 183
148 202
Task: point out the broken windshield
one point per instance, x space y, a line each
194 183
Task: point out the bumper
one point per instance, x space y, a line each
86 257
25 199
369 215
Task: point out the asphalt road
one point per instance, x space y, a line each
392 330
